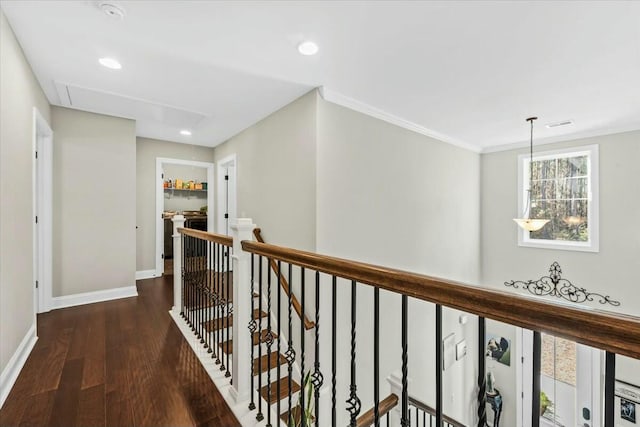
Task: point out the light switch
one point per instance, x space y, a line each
461 349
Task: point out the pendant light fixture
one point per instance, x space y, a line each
527 223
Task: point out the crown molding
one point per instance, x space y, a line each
353 104
563 138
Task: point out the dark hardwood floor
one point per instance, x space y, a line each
117 363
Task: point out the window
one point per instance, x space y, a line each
564 190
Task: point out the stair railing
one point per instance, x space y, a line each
308 324
296 401
613 333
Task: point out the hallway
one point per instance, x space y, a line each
117 363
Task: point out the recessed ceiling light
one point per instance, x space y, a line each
185 132
110 63
308 48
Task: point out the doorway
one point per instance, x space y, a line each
42 176
226 191
200 201
570 382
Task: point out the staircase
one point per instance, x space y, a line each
270 368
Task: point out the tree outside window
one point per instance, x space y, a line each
564 190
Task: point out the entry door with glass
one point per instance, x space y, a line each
570 384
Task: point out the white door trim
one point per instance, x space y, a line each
227 163
42 200
160 202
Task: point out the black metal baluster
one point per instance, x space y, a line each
209 296
537 366
302 331
609 389
334 304
482 374
269 341
252 330
259 415
229 301
224 305
376 356
317 378
212 301
291 353
190 261
279 335
200 291
182 275
404 408
353 403
218 325
438 365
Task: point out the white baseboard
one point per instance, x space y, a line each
92 297
146 274
12 370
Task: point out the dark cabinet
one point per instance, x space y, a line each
198 222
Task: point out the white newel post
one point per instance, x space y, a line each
178 222
242 229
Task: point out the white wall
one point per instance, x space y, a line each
20 92
276 173
147 150
393 197
612 271
94 202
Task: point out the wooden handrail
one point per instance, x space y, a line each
211 237
386 405
616 333
308 324
429 410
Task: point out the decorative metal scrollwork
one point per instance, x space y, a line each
554 285
353 403
290 356
317 379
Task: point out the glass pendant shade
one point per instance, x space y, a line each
531 224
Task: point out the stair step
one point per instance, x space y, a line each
284 390
296 413
215 324
266 361
256 340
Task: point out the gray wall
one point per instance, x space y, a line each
147 150
393 197
20 93
276 173
94 200
612 271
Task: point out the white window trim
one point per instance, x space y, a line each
593 244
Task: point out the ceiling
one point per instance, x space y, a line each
468 73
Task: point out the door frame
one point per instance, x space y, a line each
160 202
42 203
224 164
